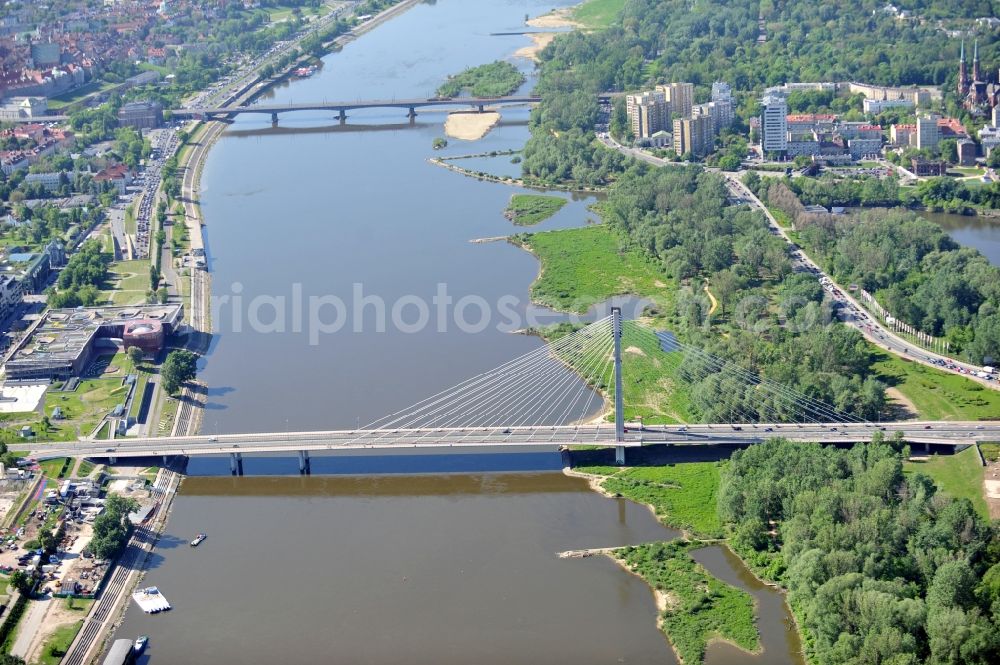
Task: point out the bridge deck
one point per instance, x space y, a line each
954 433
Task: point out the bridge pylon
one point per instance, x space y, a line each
616 330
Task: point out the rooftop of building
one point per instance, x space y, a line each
953 125
811 117
63 334
139 106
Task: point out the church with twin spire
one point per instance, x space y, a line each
978 93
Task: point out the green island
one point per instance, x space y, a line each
495 79
697 607
530 209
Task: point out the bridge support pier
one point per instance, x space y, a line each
342 116
480 108
166 459
412 114
274 118
304 464
620 455
112 460
236 464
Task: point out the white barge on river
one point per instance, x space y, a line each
150 600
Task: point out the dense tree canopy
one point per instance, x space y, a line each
180 366
879 567
914 269
111 527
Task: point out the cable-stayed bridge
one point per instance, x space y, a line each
539 399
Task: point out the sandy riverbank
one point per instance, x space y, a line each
470 126
557 18
539 40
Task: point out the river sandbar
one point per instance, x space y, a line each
557 18
470 126
539 40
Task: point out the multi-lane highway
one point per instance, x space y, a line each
951 433
851 312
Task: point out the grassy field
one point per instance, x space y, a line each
586 266
938 395
683 495
598 14
58 643
54 468
84 407
128 283
530 209
959 475
784 221
699 607
991 451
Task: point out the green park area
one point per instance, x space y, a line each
128 282
959 476
530 209
598 14
80 409
58 643
936 394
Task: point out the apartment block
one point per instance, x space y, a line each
648 113
680 96
693 135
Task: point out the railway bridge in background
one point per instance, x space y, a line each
538 400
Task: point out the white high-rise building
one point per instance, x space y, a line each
774 124
722 105
721 91
928 135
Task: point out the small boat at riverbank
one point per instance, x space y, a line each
151 600
304 72
198 539
140 644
